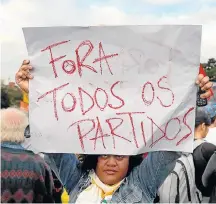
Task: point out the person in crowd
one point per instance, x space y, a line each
204 151
111 178
5 102
211 110
25 177
58 190
209 178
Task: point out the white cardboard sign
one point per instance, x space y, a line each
114 89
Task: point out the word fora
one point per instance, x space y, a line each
100 93
69 66
97 129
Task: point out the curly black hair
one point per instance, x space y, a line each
90 162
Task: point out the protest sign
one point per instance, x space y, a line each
113 90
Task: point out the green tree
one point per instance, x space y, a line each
14 94
210 68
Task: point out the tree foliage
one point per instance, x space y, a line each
210 68
14 94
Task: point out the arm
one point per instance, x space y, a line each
49 185
44 185
207 150
209 175
154 169
66 167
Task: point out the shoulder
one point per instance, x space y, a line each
24 156
204 151
38 160
30 164
207 147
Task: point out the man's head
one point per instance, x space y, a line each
111 169
202 123
211 111
13 124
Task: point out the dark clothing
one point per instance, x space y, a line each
209 177
201 156
5 101
25 177
213 195
58 189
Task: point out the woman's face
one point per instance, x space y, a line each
111 169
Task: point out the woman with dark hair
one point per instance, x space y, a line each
111 178
90 162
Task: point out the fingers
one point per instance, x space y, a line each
25 68
207 94
207 86
23 75
24 71
26 75
20 76
202 81
199 79
26 62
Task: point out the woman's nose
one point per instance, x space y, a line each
111 161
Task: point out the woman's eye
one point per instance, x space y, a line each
119 157
104 156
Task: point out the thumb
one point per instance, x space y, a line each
25 62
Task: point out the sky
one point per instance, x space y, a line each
16 14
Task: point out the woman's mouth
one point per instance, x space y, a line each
110 172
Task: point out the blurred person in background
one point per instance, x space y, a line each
209 178
5 102
58 188
211 110
203 152
25 177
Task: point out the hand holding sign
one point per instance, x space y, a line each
23 75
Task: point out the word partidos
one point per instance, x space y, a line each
97 129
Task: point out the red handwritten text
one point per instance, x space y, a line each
80 60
